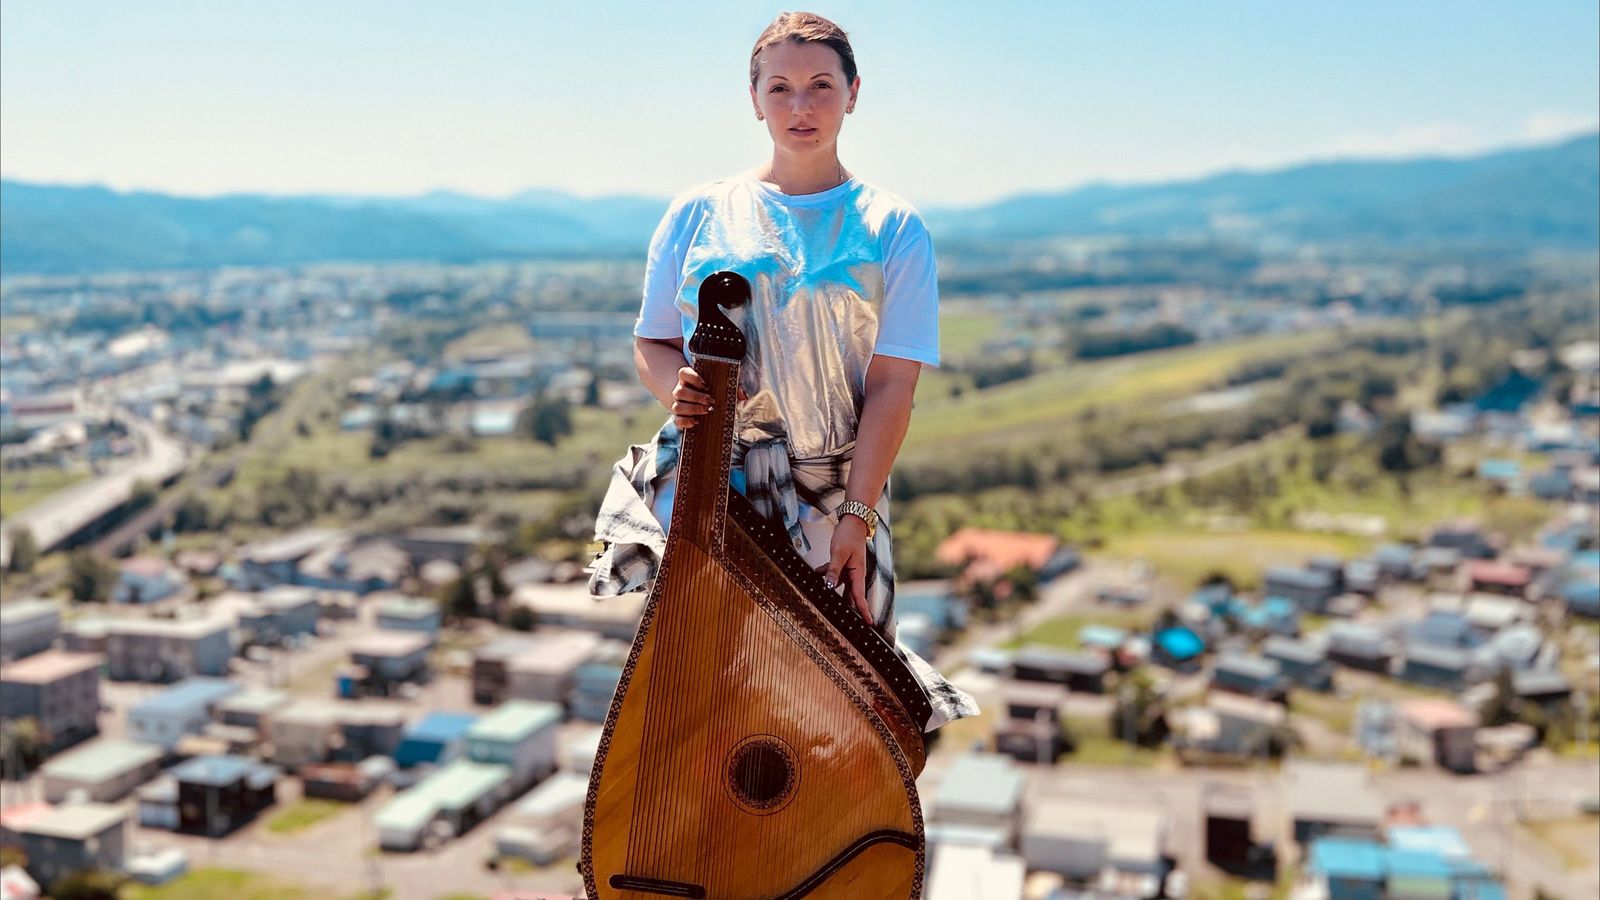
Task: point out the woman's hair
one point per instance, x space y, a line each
803 28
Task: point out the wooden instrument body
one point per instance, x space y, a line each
764 741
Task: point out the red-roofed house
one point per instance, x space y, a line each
1498 577
1437 730
987 554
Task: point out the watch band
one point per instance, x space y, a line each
861 510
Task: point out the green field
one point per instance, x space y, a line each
1096 746
1242 556
209 883
20 490
1062 631
304 814
1038 406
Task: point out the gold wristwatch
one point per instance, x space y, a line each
864 512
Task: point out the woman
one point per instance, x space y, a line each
844 314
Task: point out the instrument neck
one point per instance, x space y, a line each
699 507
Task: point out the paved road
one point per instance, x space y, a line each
62 514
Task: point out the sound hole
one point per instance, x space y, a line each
762 773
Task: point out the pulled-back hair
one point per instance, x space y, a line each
805 28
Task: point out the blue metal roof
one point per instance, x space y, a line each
1180 643
1348 858
215 771
186 695
442 727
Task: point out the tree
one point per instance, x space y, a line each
1501 707
591 394
1139 715
520 619
90 578
24 550
461 598
142 494
193 514
22 747
547 420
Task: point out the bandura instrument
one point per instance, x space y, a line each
764 739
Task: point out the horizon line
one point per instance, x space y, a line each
1314 159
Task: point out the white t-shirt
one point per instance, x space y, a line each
836 277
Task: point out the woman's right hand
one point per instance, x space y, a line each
689 399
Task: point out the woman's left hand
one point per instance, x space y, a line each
847 561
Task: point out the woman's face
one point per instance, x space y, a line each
802 95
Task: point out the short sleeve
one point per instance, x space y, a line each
658 314
909 324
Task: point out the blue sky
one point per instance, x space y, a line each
960 101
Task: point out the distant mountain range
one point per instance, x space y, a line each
1545 196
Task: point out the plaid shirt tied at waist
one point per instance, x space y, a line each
775 484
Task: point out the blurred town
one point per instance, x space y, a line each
1275 572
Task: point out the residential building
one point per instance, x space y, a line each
58 690
1116 847
1230 827
368 728
443 805
453 543
982 790
1495 577
1256 676
1431 665
490 675
217 794
1437 731
1031 729
962 872
1084 672
28 627
419 614
550 672
1305 663
520 734
278 614
988 554
595 682
1331 799
388 659
251 707
1544 687
360 567
1231 725
184 708
345 782
105 770
274 561
1178 648
1309 589
1359 645
436 740
164 650
75 837
146 579
544 825
302 732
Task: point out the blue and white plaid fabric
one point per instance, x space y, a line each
776 485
